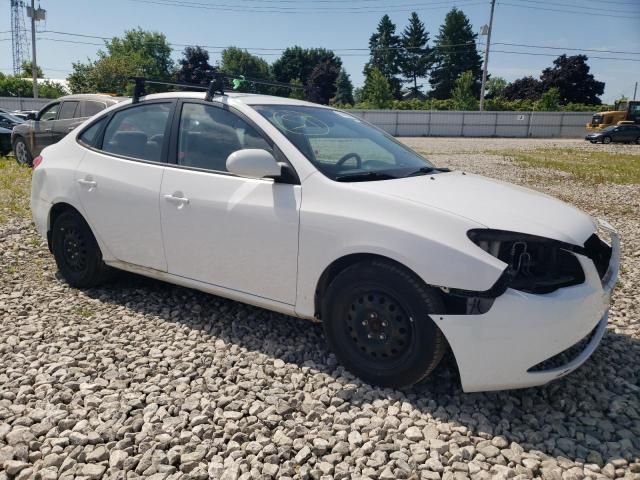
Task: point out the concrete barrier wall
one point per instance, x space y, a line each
425 123
418 123
16 103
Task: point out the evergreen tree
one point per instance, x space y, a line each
463 95
194 66
377 90
455 53
416 58
344 89
385 47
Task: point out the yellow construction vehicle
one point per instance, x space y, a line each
627 112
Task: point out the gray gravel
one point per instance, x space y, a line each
144 379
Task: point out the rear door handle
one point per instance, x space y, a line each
48 129
70 128
177 200
87 183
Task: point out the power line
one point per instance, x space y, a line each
297 10
280 49
570 5
628 17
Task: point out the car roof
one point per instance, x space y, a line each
93 96
236 97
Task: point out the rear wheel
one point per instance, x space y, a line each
606 140
638 140
376 320
22 153
76 251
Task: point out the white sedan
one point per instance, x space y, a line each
312 212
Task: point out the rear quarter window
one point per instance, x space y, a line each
90 135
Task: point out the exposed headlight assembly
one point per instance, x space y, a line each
534 264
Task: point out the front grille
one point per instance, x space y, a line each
566 356
596 120
599 252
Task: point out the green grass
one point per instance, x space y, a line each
15 189
591 167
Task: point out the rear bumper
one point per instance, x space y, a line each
40 214
497 350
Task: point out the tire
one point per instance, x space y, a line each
76 251
606 140
22 153
376 321
638 141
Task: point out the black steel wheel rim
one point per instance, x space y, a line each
379 328
74 249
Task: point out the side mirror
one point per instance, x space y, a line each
31 116
253 162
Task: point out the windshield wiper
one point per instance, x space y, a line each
363 177
427 170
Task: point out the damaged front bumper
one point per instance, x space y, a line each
509 345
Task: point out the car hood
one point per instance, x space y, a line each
492 203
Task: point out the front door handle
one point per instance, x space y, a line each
87 183
176 199
70 128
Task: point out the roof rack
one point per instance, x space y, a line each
216 85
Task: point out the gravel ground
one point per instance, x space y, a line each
144 379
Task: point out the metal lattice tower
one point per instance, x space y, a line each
19 38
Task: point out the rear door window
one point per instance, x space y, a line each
138 132
68 110
90 135
91 108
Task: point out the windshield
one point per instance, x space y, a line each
11 118
342 146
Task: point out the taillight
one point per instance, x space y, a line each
37 161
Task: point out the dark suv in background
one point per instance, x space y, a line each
54 121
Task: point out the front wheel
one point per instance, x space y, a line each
22 153
76 251
606 140
376 317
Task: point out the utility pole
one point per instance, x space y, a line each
635 90
486 56
34 65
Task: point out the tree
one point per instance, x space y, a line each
16 86
27 70
240 63
570 75
344 89
526 88
385 49
416 58
463 95
297 91
455 53
137 53
194 66
321 84
495 87
550 100
297 62
377 90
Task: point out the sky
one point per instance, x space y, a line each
265 27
